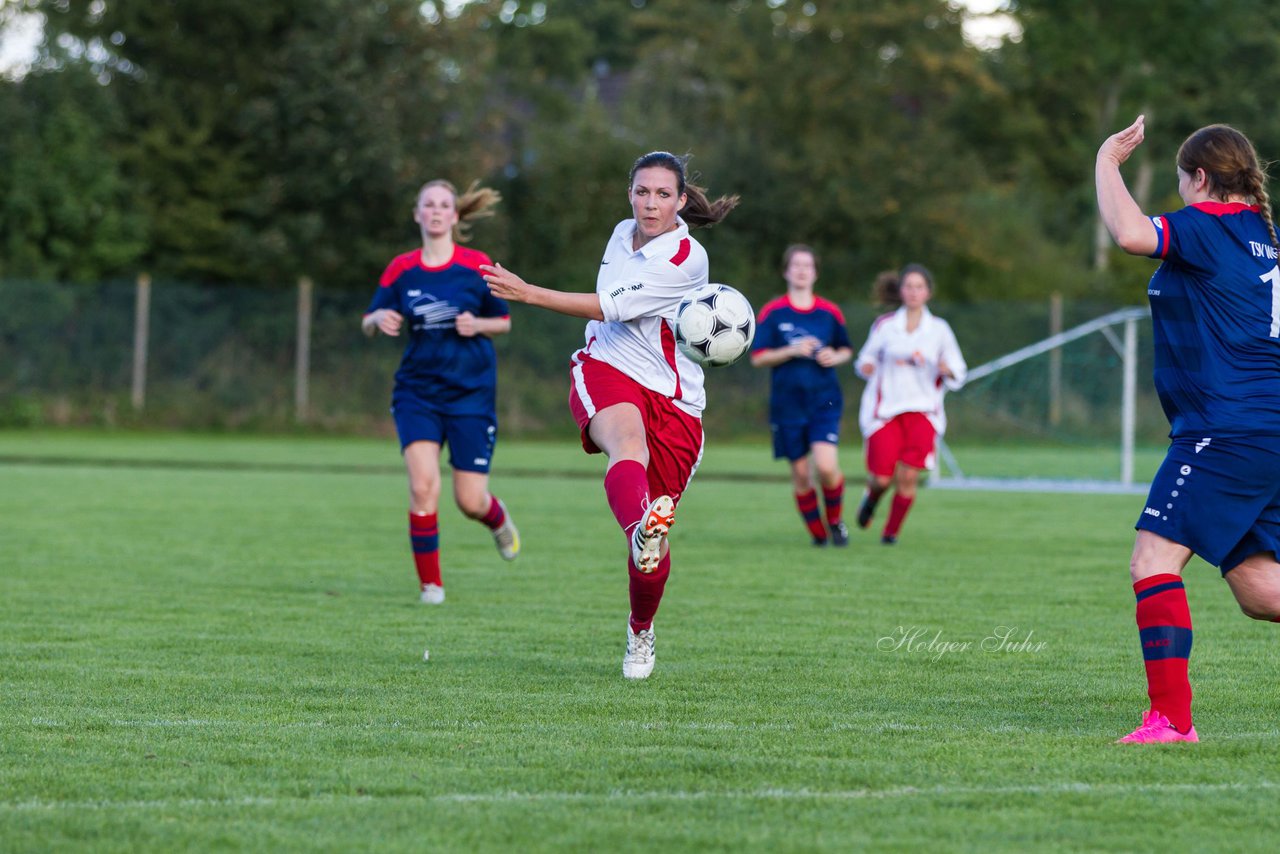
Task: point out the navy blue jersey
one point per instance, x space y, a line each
452 374
800 389
1215 310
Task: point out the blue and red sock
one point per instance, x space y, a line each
833 498
494 518
807 502
424 537
1164 627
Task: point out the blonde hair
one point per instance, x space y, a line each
1231 165
476 203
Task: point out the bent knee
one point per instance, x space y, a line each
1267 611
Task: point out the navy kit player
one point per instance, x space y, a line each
1215 310
446 385
635 396
802 338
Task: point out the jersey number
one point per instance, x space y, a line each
1273 276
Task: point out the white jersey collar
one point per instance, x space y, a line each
900 318
626 231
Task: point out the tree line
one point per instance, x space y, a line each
247 142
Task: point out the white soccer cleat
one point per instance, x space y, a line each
638 662
505 536
432 594
646 542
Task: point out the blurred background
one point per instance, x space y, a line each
197 197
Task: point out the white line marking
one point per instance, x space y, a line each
629 796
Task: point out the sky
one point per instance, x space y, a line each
985 27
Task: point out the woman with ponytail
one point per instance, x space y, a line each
1215 312
446 387
635 395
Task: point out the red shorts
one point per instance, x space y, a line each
908 438
674 436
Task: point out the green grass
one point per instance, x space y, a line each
218 646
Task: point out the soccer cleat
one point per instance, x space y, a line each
432 594
505 536
866 509
889 540
839 534
819 542
646 542
1156 729
638 662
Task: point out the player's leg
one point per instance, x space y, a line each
906 479
826 460
471 443
1164 630
675 442
883 448
1256 585
914 456
422 460
806 496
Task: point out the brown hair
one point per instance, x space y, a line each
698 211
795 249
885 289
1231 165
475 203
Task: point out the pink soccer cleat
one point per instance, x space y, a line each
1156 729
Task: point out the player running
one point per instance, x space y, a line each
1215 312
802 338
910 361
635 396
446 385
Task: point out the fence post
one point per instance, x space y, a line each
1055 360
302 364
1128 401
141 334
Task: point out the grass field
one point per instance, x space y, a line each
215 643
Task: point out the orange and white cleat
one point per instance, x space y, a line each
646 542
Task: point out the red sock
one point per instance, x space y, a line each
897 514
833 498
626 485
496 516
646 592
424 536
808 504
1164 627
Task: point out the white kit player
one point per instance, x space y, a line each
910 361
635 396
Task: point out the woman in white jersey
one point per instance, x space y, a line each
910 361
634 394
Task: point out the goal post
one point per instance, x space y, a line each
1099 404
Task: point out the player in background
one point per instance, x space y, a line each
635 395
802 338
910 361
446 385
1215 312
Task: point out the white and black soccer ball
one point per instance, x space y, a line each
715 325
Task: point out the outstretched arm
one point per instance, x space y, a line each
1126 222
509 286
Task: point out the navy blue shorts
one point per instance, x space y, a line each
1218 497
470 437
792 441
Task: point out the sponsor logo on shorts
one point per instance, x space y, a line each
480 461
1151 511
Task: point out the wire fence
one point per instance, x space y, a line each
178 355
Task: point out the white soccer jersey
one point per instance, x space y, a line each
906 377
639 292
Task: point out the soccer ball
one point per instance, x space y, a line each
715 325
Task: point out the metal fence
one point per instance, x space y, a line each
177 355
